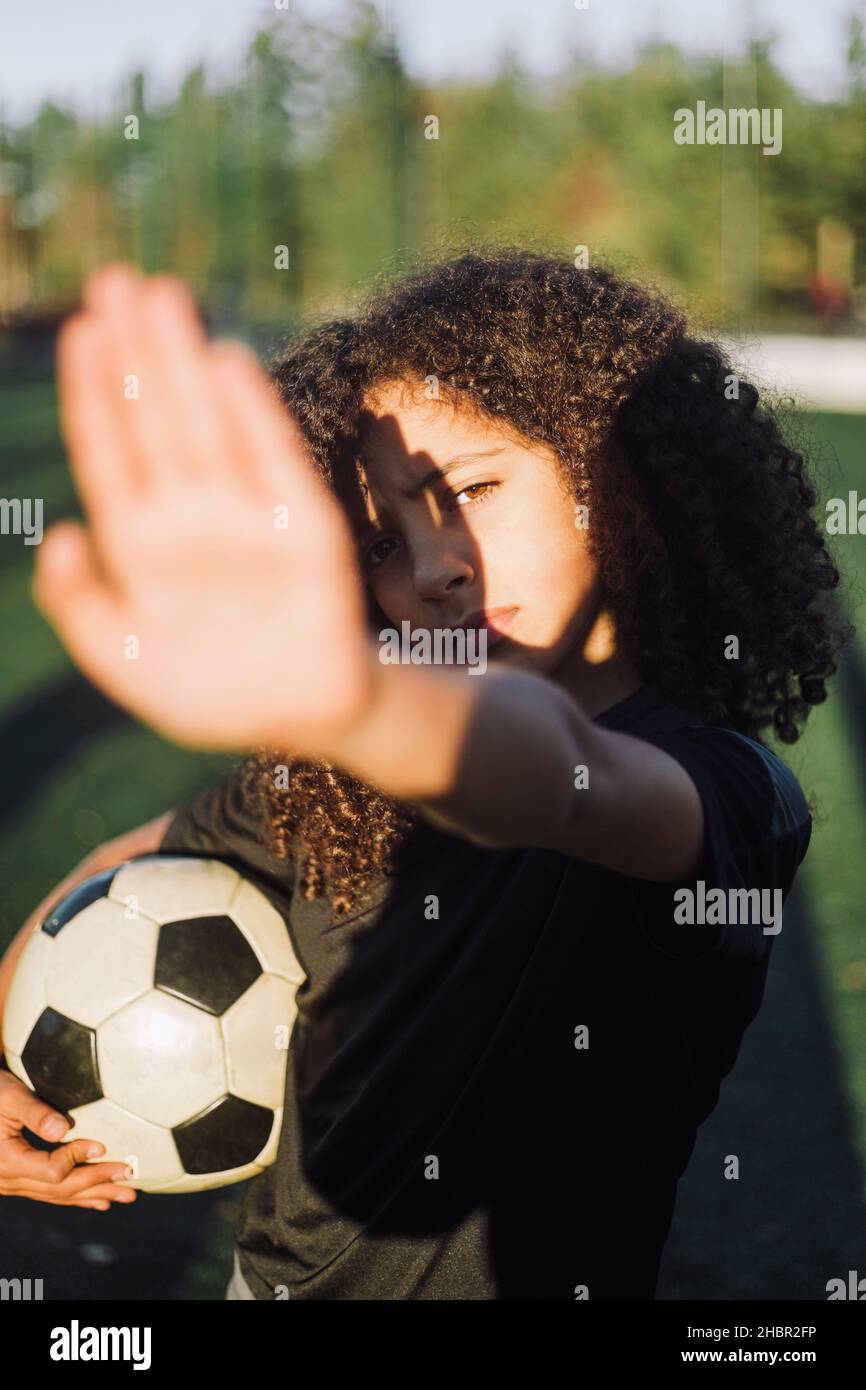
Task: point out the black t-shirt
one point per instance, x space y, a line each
500 1062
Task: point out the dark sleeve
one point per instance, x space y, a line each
223 823
757 831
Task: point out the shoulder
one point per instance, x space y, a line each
664 791
756 831
742 783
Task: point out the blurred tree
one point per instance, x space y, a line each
318 145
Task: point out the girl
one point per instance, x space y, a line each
519 1006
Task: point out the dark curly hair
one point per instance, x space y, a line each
701 513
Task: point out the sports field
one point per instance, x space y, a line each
75 772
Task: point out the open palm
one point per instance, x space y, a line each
214 592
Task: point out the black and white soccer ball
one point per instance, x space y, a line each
154 1006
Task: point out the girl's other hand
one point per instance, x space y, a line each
215 591
62 1177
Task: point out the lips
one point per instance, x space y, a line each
495 621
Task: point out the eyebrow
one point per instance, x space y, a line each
415 491
369 528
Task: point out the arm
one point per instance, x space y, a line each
145 839
493 759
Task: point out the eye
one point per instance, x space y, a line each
373 558
471 487
370 558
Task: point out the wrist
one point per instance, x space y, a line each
352 710
410 738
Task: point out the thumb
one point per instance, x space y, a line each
72 594
23 1107
65 562
50 1123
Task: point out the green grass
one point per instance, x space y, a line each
119 780
836 888
29 413
839 451
831 776
205 1277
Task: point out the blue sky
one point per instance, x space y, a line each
78 50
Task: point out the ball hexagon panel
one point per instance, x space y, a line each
168 888
61 1061
161 1059
206 961
103 963
26 998
267 931
255 1064
128 1139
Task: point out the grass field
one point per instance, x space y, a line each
127 775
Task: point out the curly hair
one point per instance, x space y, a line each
701 512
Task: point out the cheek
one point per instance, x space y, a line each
553 560
544 540
389 590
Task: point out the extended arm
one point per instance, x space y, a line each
494 758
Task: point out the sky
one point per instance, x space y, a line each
77 51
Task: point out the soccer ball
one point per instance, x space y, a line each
154 1007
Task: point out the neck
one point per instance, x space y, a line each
593 671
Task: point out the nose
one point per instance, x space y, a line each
439 570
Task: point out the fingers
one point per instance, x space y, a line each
20 1162
147 402
106 1192
156 344
269 441
97 1198
63 1177
19 1104
73 594
69 1165
91 422
79 1188
127 375
174 334
90 1194
113 301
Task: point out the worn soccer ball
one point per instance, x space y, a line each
154 1007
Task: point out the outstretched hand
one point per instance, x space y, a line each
187 598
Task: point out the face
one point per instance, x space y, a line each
459 524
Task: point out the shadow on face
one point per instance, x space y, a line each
460 523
